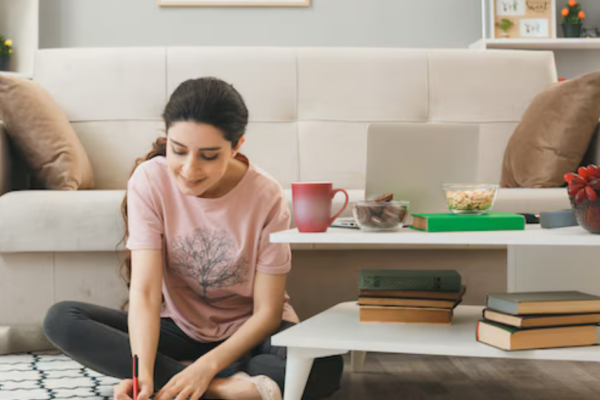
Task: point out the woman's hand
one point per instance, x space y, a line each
192 382
124 390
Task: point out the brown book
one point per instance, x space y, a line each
413 294
405 314
533 321
509 338
387 301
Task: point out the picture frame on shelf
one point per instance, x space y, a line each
235 3
522 19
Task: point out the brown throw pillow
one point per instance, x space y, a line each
41 132
553 135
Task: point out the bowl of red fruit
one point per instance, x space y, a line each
584 193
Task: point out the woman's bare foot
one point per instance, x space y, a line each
232 389
268 389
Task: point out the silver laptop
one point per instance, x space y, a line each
413 161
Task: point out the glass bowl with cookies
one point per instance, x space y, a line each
470 198
380 214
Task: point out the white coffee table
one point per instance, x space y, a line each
538 259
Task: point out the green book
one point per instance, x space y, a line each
534 303
417 280
493 221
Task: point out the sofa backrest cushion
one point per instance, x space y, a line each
44 137
554 134
309 107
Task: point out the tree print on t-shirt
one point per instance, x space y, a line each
210 257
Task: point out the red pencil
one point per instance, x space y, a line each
135 377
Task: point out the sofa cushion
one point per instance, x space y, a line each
522 200
125 141
483 86
267 81
105 83
61 220
362 84
553 135
332 151
493 139
41 132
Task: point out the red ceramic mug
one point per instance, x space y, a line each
312 205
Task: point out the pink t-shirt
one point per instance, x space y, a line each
212 247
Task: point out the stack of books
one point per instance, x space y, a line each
409 296
539 320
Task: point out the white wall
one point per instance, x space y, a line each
382 23
19 22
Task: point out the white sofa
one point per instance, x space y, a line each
309 112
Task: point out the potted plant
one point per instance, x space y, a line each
584 193
5 53
504 25
573 17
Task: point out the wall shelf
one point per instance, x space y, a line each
538 44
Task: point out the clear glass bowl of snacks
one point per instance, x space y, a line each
371 215
470 199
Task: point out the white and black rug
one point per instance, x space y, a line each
51 375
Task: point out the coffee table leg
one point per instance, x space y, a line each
298 366
296 374
357 360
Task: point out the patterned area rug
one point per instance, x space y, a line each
50 375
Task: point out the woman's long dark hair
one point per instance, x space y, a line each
208 101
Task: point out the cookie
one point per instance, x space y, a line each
385 198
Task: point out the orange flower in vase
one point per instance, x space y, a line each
573 19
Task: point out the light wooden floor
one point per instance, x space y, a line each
410 377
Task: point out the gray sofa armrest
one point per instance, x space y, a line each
5 161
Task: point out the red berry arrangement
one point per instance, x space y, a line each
584 183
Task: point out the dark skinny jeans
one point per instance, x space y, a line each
97 337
